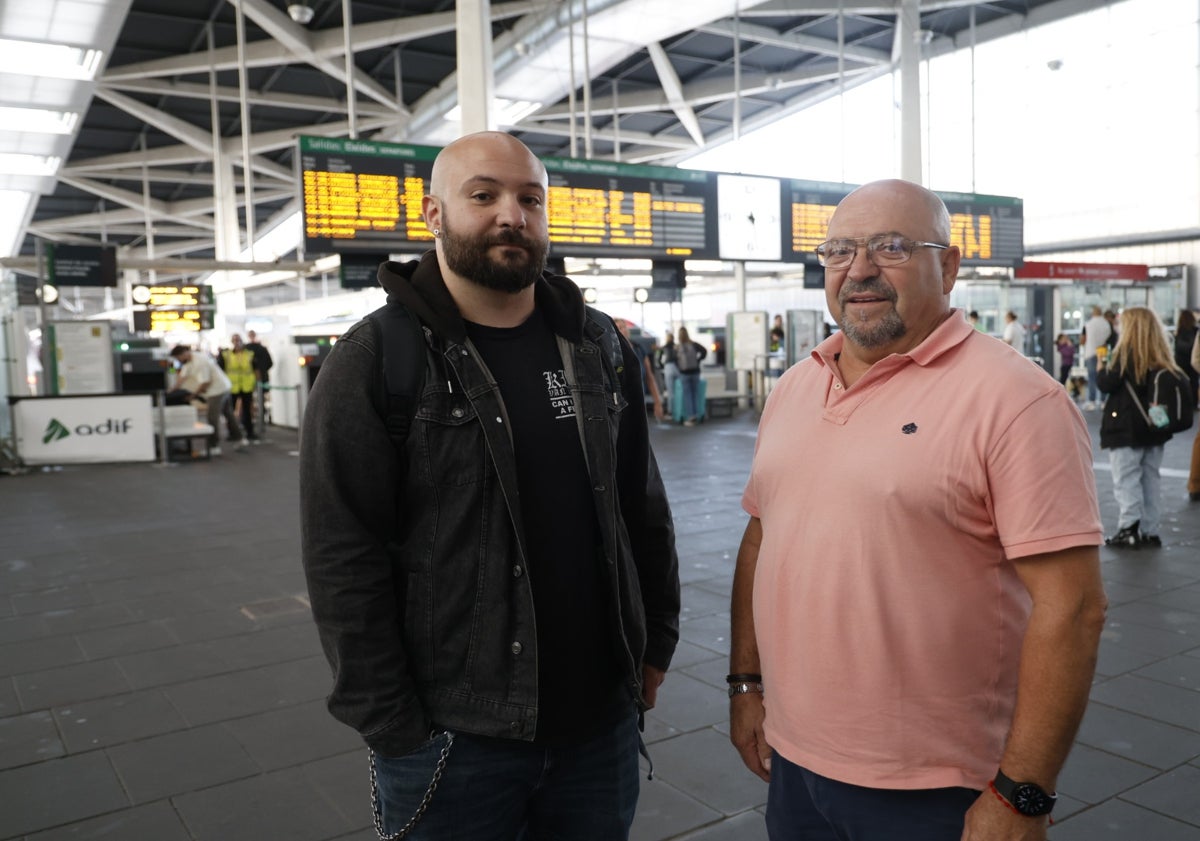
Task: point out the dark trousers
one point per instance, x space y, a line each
502 790
244 401
803 806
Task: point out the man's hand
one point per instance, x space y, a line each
746 714
652 678
991 820
659 414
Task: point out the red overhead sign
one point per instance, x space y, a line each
1083 271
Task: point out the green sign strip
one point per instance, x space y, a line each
367 148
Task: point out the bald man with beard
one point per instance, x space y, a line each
498 601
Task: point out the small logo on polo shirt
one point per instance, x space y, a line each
908 428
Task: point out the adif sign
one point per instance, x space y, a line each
84 430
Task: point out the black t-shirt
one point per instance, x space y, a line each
579 686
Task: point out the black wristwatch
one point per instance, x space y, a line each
1029 799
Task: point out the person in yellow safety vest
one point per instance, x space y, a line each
238 364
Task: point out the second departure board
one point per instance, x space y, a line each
366 196
988 230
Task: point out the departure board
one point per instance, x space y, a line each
366 196
607 209
363 195
167 308
988 230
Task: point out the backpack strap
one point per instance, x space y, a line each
402 340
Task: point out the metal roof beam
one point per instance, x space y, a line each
675 144
193 136
673 90
708 91
328 45
298 42
192 90
801 43
261 142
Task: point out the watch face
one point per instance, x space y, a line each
1031 800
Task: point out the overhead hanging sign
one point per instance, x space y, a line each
1082 271
360 271
165 308
81 265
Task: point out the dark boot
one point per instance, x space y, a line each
1126 538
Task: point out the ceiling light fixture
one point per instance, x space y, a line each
302 13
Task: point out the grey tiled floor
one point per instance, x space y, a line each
160 679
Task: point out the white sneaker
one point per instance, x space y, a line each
1089 406
214 451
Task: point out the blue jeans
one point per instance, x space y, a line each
1136 486
1093 393
803 806
691 389
502 790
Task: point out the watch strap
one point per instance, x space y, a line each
1007 789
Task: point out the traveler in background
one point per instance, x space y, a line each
666 360
1193 485
1066 352
778 335
499 600
1014 333
1184 340
649 378
973 318
1112 318
238 364
1135 446
688 356
1095 335
262 369
921 550
200 377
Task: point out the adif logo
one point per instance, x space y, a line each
55 431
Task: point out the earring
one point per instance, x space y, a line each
437 232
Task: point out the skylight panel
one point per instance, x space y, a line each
38 58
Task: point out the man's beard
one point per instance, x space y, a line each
868 334
468 256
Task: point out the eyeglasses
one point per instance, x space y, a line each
882 250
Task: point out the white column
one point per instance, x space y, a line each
475 78
739 285
908 27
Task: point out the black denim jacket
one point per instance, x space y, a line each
415 561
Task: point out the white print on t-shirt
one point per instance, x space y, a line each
561 398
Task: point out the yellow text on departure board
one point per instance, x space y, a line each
340 205
972 234
810 222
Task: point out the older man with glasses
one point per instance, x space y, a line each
917 602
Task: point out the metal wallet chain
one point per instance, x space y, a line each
377 809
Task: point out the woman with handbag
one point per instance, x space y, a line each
1131 427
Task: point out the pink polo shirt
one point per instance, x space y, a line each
887 610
